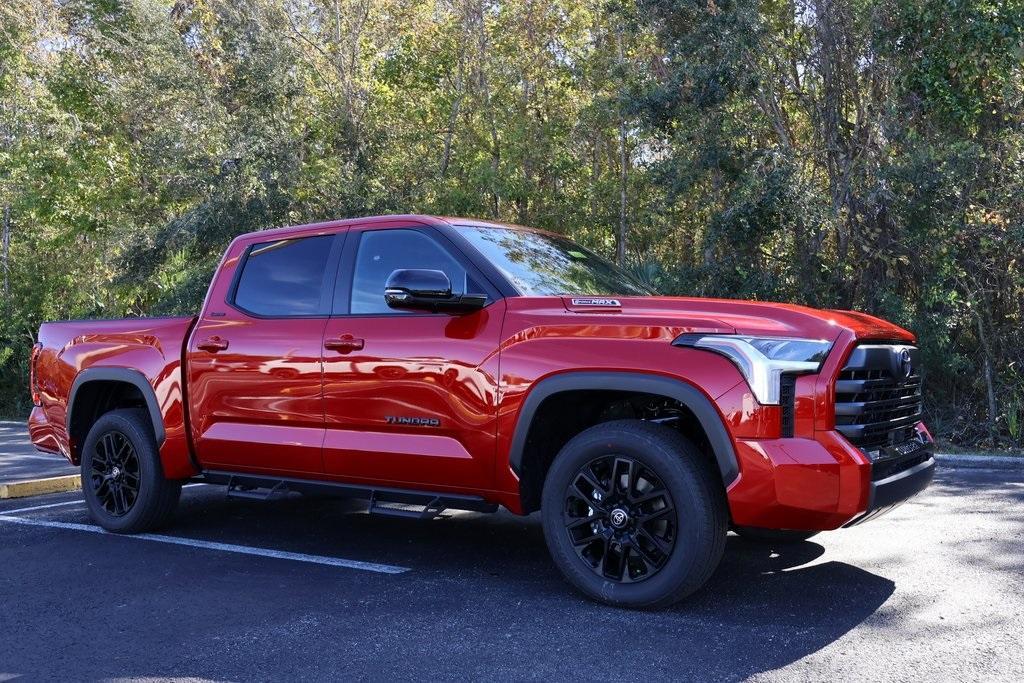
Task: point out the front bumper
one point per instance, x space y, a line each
885 494
821 483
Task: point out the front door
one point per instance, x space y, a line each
409 396
254 360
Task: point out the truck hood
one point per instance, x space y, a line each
742 317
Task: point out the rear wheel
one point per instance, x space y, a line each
633 514
122 478
759 535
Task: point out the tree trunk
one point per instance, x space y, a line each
485 90
522 201
337 23
526 96
990 388
453 120
495 150
620 242
6 242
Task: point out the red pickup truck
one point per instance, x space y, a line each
426 363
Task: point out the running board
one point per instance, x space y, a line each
237 489
383 501
429 510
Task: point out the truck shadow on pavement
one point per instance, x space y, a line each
490 575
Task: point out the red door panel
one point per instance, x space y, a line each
256 405
416 404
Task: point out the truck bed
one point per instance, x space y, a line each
73 353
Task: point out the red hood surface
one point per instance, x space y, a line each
742 317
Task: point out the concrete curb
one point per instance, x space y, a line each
987 462
38 487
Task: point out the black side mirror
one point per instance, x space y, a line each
428 290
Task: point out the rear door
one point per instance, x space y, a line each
254 358
409 396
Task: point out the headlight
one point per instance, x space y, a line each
763 360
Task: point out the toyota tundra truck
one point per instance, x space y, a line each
425 363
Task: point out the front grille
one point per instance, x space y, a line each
887 467
878 397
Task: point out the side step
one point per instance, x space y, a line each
391 502
428 511
239 490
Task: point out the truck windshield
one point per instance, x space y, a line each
540 264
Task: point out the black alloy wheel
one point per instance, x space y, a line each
620 518
115 475
122 475
634 514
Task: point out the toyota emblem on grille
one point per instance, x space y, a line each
906 365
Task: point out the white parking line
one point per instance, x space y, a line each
56 459
211 545
42 507
69 502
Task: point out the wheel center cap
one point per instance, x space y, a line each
115 472
619 518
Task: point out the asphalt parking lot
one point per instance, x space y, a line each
935 590
19 460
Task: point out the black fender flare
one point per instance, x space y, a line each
638 382
127 376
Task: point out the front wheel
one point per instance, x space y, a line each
122 478
633 514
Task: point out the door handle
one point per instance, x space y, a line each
213 344
344 344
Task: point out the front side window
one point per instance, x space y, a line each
540 264
381 252
284 278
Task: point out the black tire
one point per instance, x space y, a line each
645 563
122 477
759 535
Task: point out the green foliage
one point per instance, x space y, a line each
860 154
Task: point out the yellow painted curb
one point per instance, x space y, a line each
37 487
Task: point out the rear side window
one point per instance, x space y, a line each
285 278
